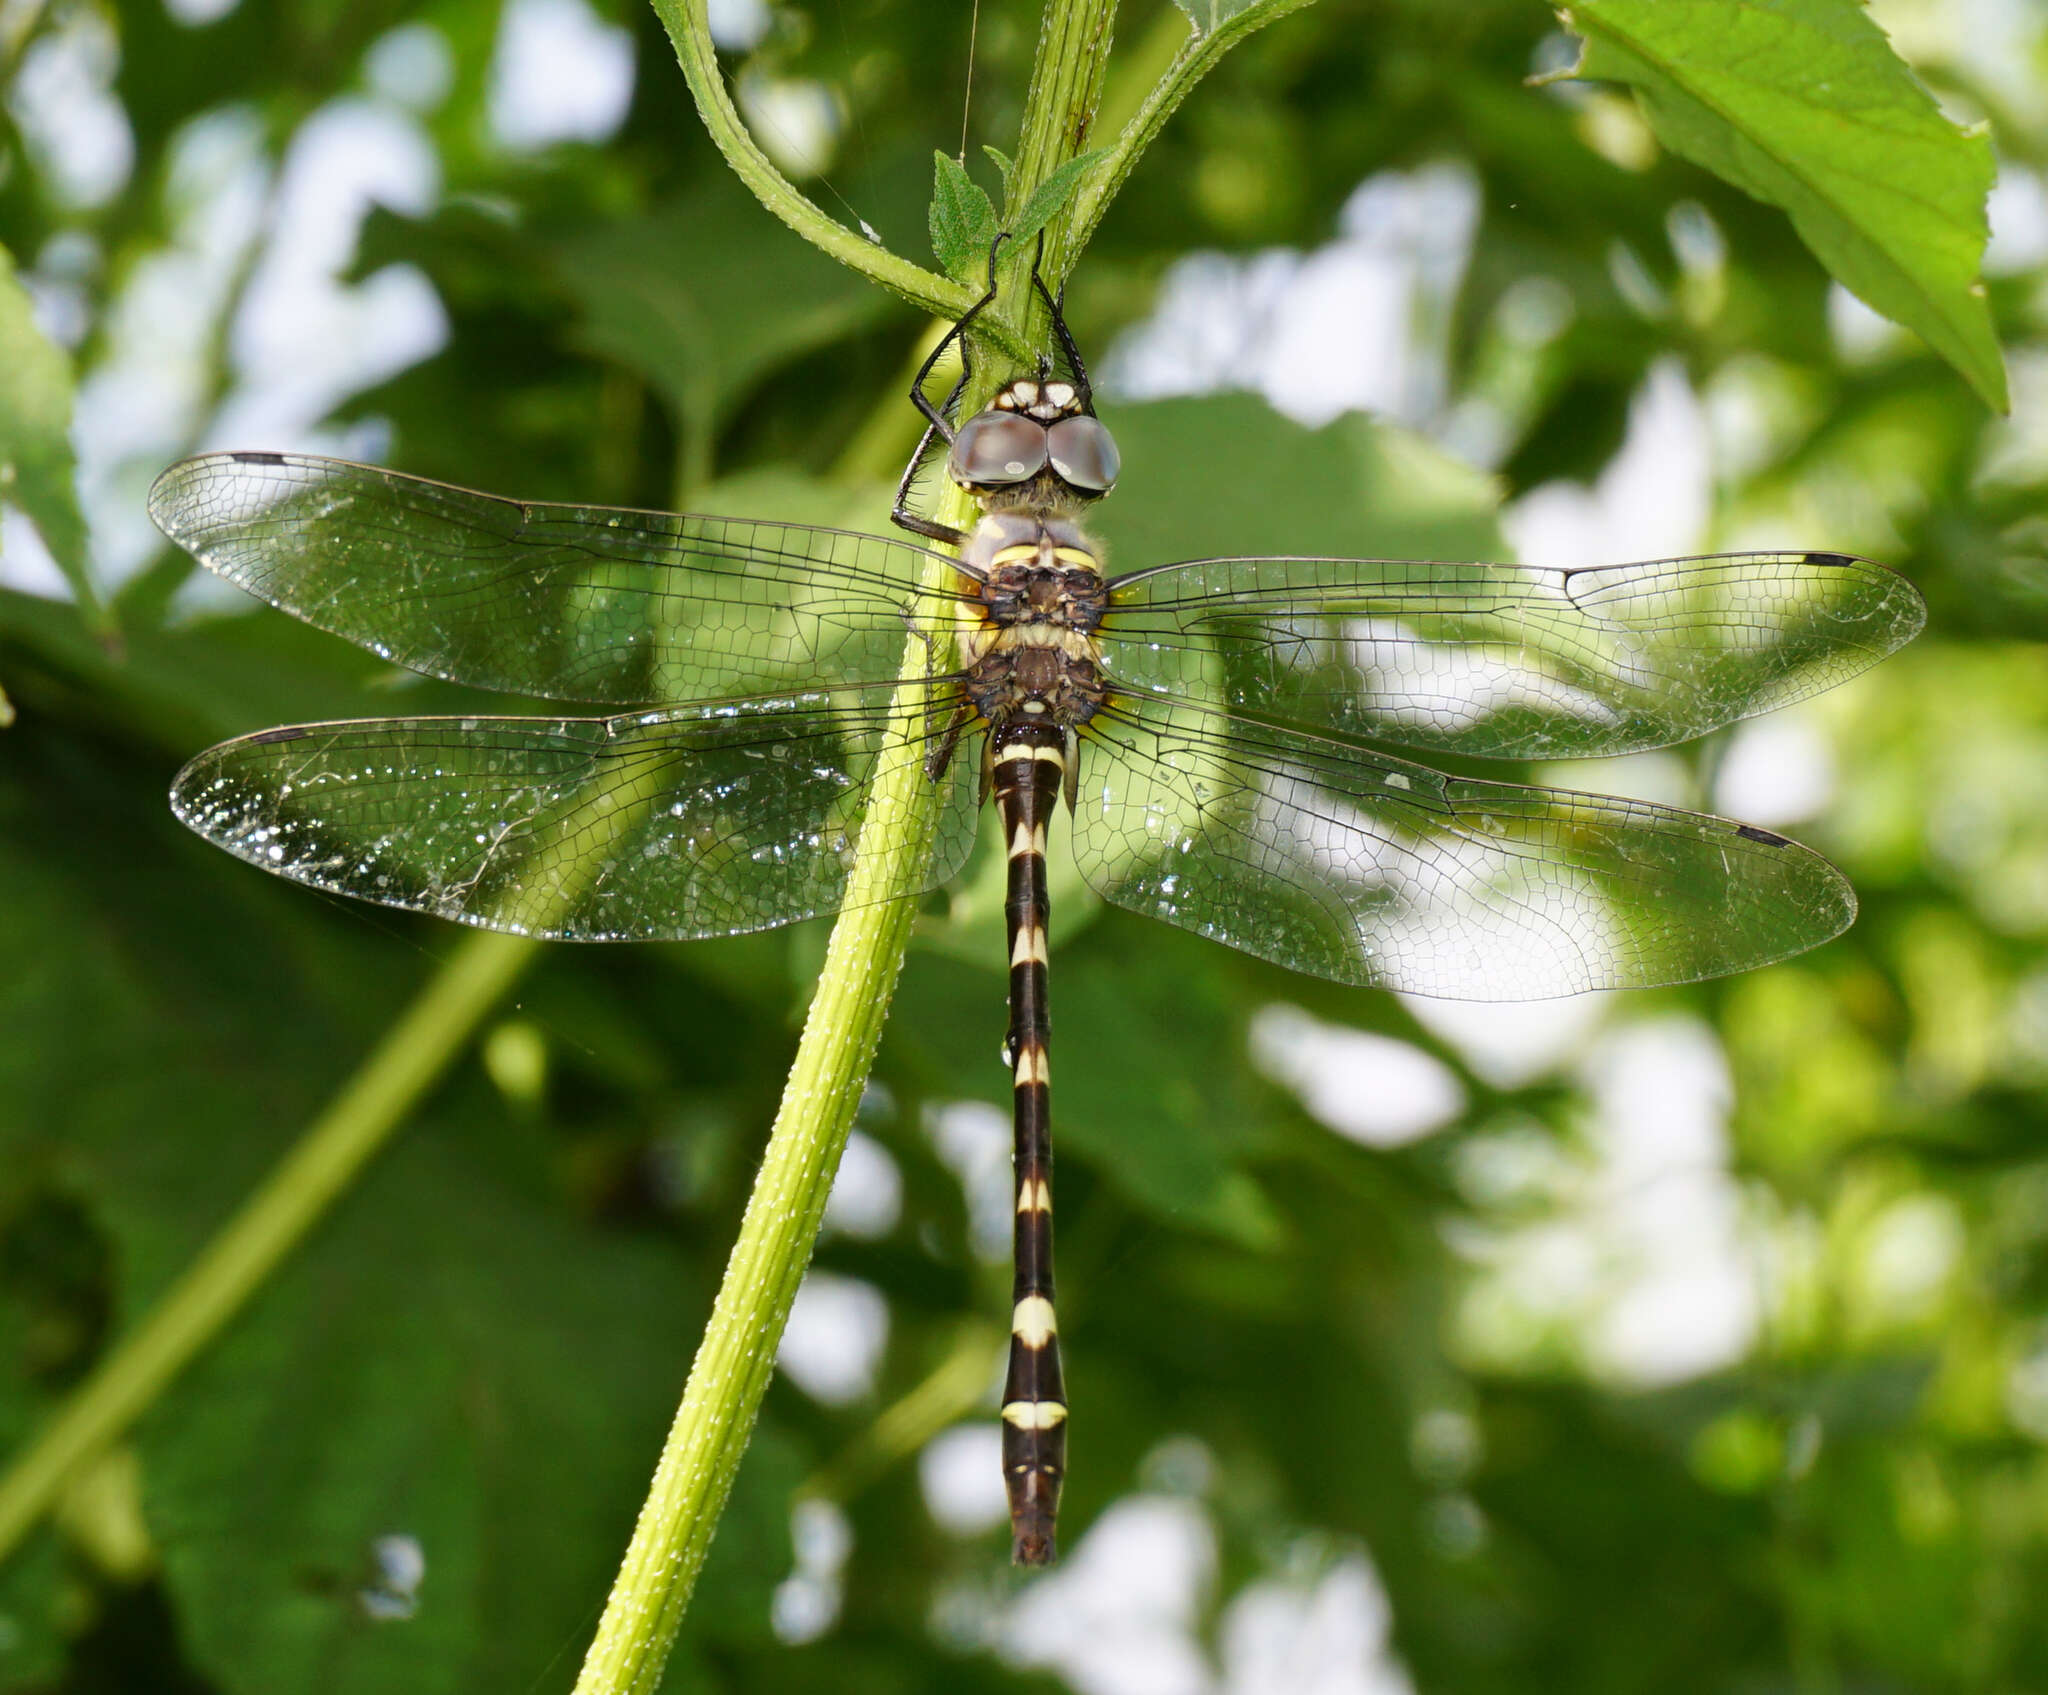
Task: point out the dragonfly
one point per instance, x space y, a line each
1242 745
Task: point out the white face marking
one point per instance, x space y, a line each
1033 1323
1060 394
1034 1415
1034 1196
1030 948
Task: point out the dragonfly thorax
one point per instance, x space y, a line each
1030 570
1036 598
1053 682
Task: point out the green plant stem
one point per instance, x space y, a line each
404 1065
1059 118
689 32
736 1359
1197 57
737 1356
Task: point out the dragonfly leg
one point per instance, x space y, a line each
900 513
937 414
936 417
940 758
916 523
1055 304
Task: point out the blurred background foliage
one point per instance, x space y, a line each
1695 1339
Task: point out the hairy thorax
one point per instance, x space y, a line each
1028 637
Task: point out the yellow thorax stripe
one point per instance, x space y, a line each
1026 553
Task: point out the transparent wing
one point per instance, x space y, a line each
705 821
1330 859
1508 661
588 603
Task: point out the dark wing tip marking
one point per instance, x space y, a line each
288 733
1769 838
1838 560
257 458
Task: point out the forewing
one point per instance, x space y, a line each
1328 858
588 603
675 824
1507 661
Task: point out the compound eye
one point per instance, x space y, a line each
1084 453
997 448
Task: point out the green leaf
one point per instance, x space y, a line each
1050 195
33 1593
1002 164
454 1357
1206 17
963 221
1803 104
1168 1113
32 1581
451 1362
1225 473
37 471
676 296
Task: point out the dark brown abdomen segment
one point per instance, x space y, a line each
1030 765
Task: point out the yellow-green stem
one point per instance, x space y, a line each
737 1357
689 32
412 1055
1198 54
1059 119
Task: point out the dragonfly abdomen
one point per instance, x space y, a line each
1029 761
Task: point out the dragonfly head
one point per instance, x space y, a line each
1038 443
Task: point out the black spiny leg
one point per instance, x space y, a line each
915 522
1055 305
940 759
936 425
